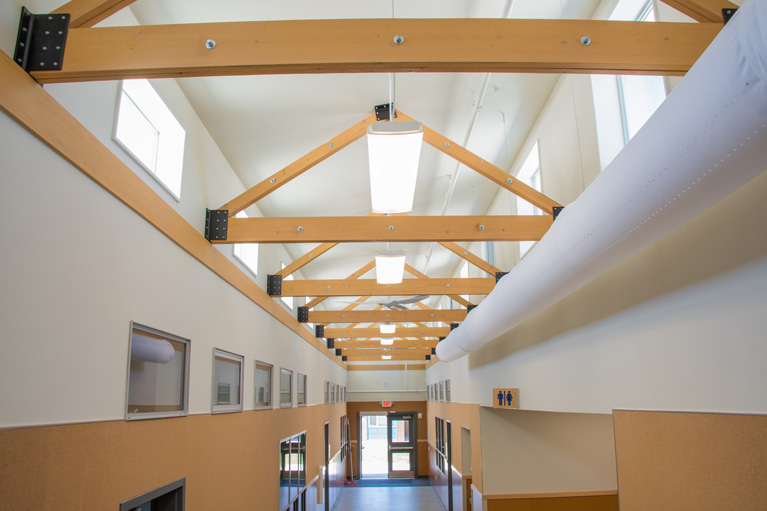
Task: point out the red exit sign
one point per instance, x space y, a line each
385 404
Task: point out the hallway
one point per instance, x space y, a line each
399 498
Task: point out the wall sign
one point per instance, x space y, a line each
385 404
505 398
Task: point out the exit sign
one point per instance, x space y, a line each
505 398
385 404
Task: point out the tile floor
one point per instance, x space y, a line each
419 498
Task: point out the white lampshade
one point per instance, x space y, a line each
387 342
390 266
394 149
385 357
387 328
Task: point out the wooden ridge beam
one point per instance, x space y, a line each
355 275
387 228
456 298
364 333
297 168
398 344
470 257
369 287
704 11
86 13
445 315
366 46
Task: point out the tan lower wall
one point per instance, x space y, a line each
230 461
461 416
554 503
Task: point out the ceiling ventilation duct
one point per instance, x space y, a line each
705 141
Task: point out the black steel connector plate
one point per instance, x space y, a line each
216 223
344 358
428 357
499 275
434 351
382 112
319 330
470 307
453 326
727 14
331 343
303 314
40 42
556 210
274 285
338 353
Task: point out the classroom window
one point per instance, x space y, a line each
147 130
227 381
440 451
166 498
286 388
293 472
287 300
301 392
263 397
246 253
530 174
158 374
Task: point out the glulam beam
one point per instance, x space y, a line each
86 13
365 333
704 11
369 287
373 316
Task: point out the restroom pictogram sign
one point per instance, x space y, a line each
505 398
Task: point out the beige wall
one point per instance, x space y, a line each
527 452
403 385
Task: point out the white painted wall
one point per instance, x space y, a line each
402 385
78 266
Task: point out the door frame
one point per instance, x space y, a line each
412 449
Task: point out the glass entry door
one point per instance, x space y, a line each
401 437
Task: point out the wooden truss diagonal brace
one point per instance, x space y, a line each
704 11
298 167
485 168
86 13
470 257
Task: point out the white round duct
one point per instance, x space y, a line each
705 141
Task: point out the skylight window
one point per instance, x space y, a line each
530 174
150 134
246 253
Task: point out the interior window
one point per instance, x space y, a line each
227 382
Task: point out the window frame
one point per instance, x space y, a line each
140 500
270 403
185 384
288 372
299 383
226 408
143 111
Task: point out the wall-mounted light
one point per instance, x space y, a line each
390 266
394 149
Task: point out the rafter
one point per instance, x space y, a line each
471 257
417 274
355 275
305 259
484 168
297 168
86 13
704 11
369 287
348 316
364 333
365 45
386 228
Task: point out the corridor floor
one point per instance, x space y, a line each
397 498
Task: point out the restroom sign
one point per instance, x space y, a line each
505 398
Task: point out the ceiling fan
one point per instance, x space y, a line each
398 305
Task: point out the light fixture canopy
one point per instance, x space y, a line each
394 149
387 342
390 266
387 328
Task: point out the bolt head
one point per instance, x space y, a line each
210 44
585 40
398 39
